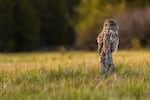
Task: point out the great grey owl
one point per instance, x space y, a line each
108 41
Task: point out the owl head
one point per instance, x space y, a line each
111 24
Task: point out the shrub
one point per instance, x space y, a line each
135 23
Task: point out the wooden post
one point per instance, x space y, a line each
107 64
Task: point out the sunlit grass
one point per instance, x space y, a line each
74 76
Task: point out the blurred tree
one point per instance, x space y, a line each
135 23
91 14
137 3
6 26
25 25
56 29
18 26
135 43
28 25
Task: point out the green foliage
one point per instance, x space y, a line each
92 13
91 17
27 25
19 26
6 23
135 23
55 26
135 43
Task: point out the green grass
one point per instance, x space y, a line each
73 76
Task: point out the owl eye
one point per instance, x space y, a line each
112 24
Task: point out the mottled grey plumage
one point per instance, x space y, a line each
107 43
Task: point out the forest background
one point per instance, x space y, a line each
43 25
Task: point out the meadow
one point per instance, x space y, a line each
74 76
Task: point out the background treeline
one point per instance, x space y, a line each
30 25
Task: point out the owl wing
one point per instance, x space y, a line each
100 41
114 46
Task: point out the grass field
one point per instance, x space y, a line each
74 76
